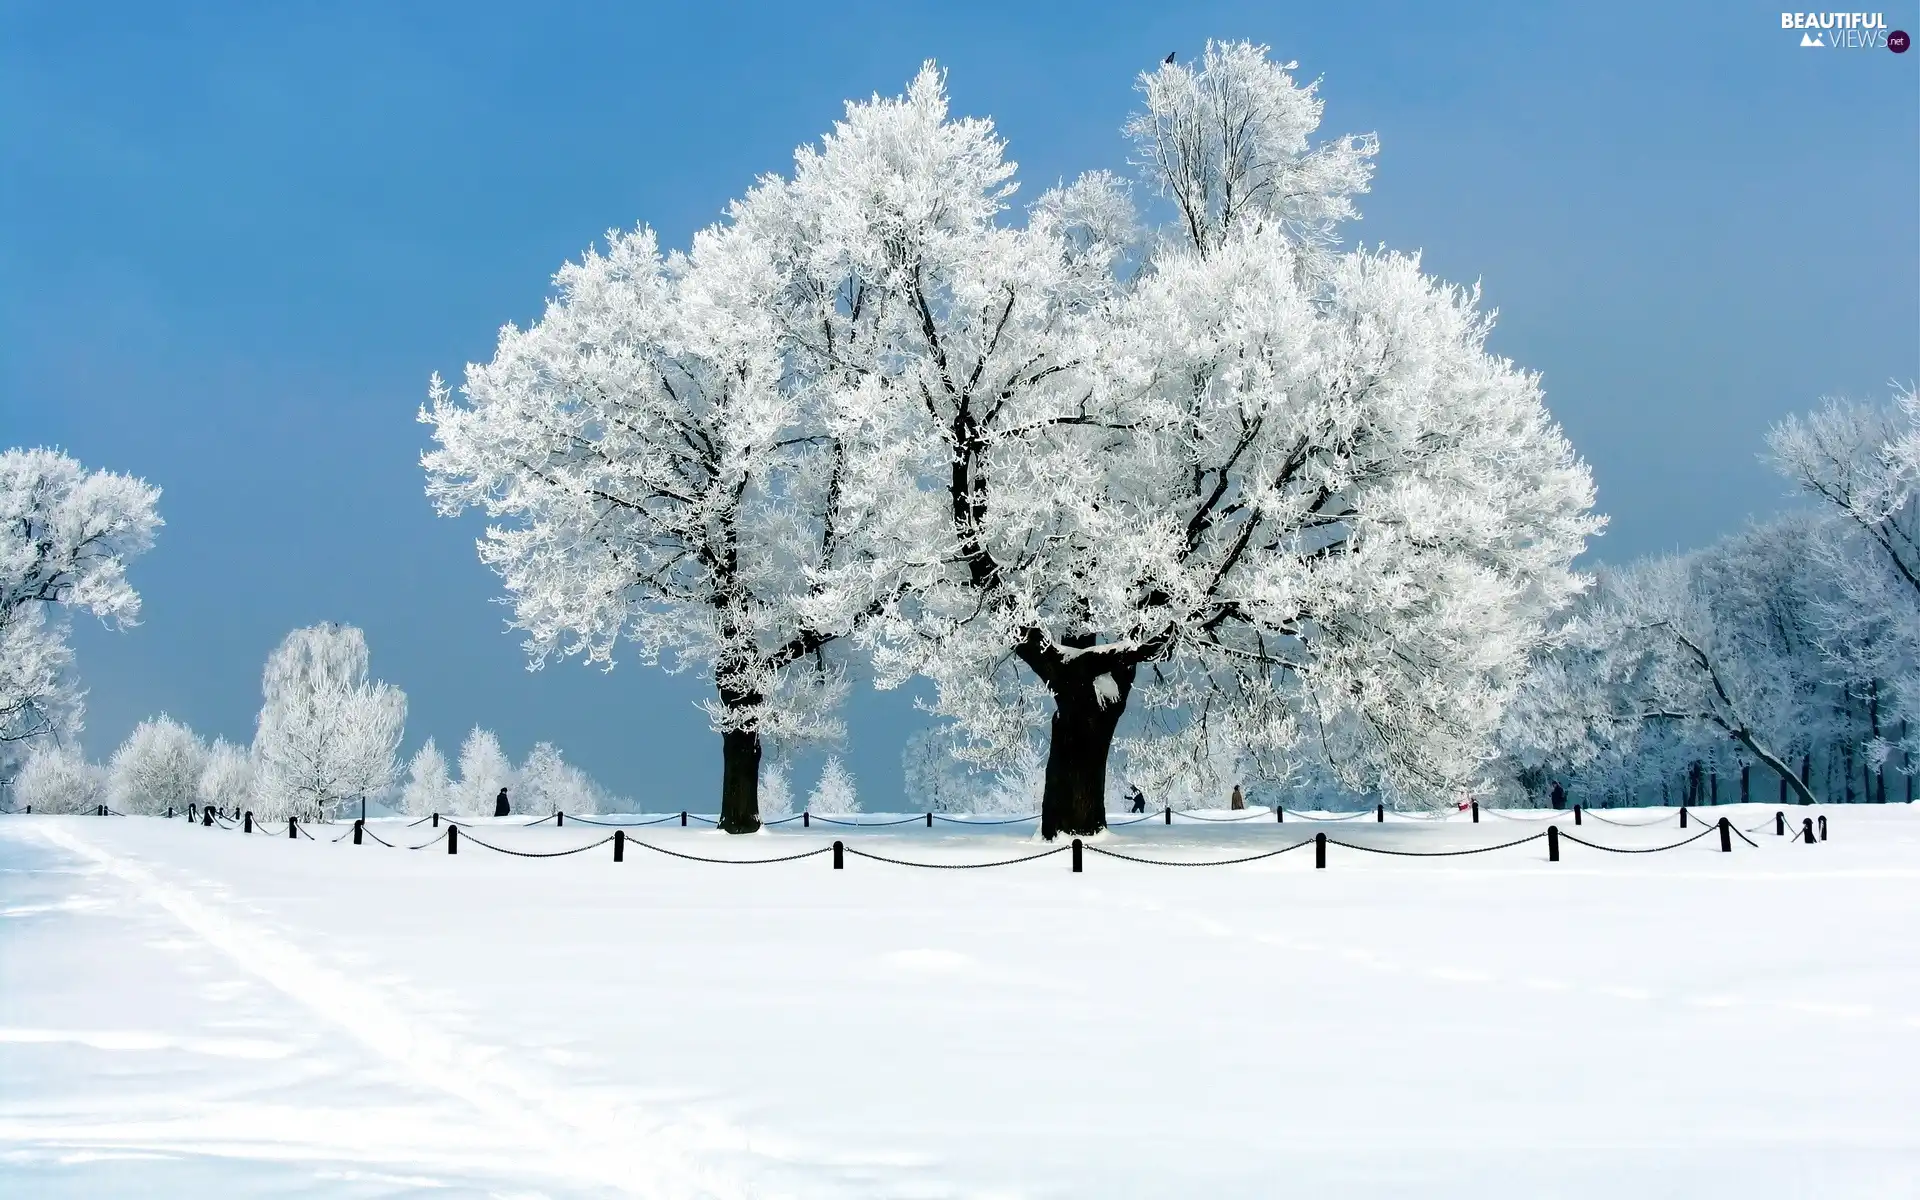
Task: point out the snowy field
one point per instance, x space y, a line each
191 1012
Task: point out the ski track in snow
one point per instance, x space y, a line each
584 1139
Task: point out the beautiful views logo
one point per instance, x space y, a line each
1845 31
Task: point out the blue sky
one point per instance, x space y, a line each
235 239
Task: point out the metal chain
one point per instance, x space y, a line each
1224 862
637 824
737 862
539 853
1647 850
1005 862
1437 853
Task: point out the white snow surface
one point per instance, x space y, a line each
193 1012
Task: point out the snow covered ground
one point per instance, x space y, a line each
192 1012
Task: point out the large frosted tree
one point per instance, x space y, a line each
1287 489
66 535
659 477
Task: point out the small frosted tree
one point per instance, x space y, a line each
549 783
327 733
776 791
834 794
66 535
158 768
428 789
59 779
227 779
484 770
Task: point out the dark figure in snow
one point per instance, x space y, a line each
500 804
1138 798
1238 800
1558 795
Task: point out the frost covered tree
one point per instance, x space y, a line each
58 778
661 476
484 770
327 733
428 788
1862 462
835 793
549 783
1698 643
776 792
1282 482
226 781
158 768
66 535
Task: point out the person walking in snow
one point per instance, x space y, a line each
1238 801
1137 797
500 804
1558 795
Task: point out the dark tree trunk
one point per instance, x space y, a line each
740 781
1075 799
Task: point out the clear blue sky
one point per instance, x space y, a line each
235 239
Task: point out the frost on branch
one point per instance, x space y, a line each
1229 141
66 535
59 779
157 769
327 732
662 477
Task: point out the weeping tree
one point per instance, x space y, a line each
659 479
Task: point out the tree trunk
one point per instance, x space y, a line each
740 781
1075 799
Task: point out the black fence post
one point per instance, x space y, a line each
1806 828
359 824
559 819
619 845
206 817
1683 816
839 856
193 813
1320 851
1380 813
293 829
1823 827
1076 856
1169 814
806 819
169 812
683 818
1726 836
1576 814
1553 843
1476 812
436 820
929 820
1279 815
1780 824
453 838
247 822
